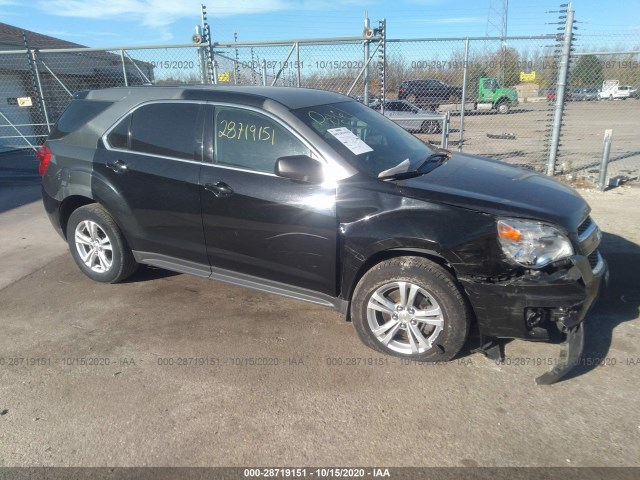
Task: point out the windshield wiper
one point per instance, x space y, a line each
436 159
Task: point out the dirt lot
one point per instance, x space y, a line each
174 370
581 141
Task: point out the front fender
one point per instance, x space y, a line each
391 224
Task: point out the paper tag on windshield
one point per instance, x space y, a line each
349 140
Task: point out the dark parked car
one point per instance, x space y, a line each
584 94
410 117
312 195
429 92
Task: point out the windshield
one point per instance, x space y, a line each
367 140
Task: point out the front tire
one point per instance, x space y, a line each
503 108
412 308
98 246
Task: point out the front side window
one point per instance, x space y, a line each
167 129
252 141
367 140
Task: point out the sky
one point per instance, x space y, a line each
105 23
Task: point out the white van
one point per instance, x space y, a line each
611 89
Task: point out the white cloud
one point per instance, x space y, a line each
156 13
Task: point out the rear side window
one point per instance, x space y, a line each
166 129
77 114
119 136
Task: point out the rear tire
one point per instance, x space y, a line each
98 246
430 127
412 308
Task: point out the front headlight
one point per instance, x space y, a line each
532 244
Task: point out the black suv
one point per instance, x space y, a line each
312 195
429 91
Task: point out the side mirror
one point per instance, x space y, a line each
299 168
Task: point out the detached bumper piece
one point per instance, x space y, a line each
570 354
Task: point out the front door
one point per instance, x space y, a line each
259 224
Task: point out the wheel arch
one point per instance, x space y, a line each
70 205
388 254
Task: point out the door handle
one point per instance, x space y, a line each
117 166
219 189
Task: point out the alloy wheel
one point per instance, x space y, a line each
94 246
404 317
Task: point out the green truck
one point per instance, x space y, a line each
432 94
491 96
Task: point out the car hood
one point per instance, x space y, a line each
499 189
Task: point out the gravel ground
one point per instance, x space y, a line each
580 145
174 370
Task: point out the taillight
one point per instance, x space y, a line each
43 154
400 90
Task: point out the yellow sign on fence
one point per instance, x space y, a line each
527 77
224 77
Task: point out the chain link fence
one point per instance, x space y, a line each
602 95
501 93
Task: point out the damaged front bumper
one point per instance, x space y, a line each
542 306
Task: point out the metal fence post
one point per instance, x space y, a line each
124 68
298 75
44 104
606 150
560 91
362 71
35 79
264 72
367 28
464 93
202 56
236 62
444 142
212 70
383 61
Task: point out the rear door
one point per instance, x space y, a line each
259 224
148 176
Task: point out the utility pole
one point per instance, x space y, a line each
497 22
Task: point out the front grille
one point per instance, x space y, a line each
593 259
584 225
